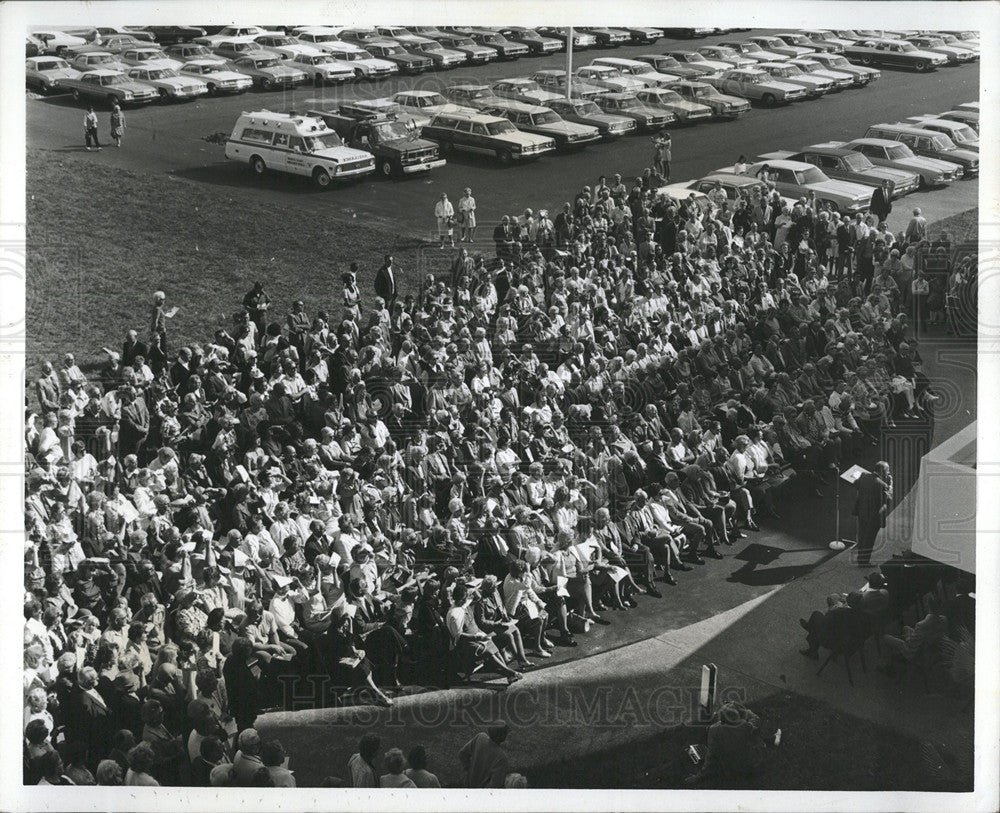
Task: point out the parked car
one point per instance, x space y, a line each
234 49
609 78
442 57
505 48
776 45
641 35
838 63
950 39
284 46
581 39
751 50
425 104
361 36
487 135
429 31
688 33
531 118
525 90
93 60
797 179
955 54
268 71
758 85
169 83
218 78
897 53
667 99
683 193
475 53
391 32
116 44
556 80
394 52
32 46
149 57
535 42
928 143
664 64
735 186
188 51
167 34
584 111
107 86
885 153
55 42
231 32
788 73
962 134
608 37
317 36
721 53
972 107
627 104
364 64
44 73
796 40
848 165
724 105
964 116
812 69
825 41
299 145
694 58
322 68
640 71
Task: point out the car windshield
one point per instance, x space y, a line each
748 78
347 56
281 41
703 92
942 142
209 69
197 50
546 118
907 46
809 66
634 70
752 48
393 49
117 79
482 93
163 73
265 62
53 65
587 109
899 151
321 59
323 37
725 51
811 175
856 162
667 62
527 86
430 46
464 42
964 134
628 103
838 62
391 130
931 42
694 57
433 99
792 70
494 38
323 142
100 59
500 127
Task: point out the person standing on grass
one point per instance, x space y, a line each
445 214
467 217
90 129
484 760
117 123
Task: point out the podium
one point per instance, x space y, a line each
850 476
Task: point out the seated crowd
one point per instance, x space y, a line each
456 480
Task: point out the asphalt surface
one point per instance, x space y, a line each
170 139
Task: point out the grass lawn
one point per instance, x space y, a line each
101 241
821 749
963 227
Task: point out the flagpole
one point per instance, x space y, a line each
569 64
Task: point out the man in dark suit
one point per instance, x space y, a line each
90 720
132 347
874 491
881 204
385 282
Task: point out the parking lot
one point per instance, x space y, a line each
171 139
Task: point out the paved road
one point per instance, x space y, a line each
170 139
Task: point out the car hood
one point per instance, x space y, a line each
727 99
219 76
888 173
161 63
339 155
525 139
919 162
786 86
61 73
962 154
918 54
847 189
684 104
280 70
136 87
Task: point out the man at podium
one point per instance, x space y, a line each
874 493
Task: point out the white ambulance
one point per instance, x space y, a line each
301 145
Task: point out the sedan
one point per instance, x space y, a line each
626 104
187 51
885 153
425 103
788 73
812 69
475 53
608 37
323 68
723 105
524 89
694 58
847 165
107 86
535 42
838 64
796 179
394 52
543 121
284 46
581 39
720 53
897 53
43 73
268 71
150 57
505 48
169 83
96 60
610 78
121 42
57 42
955 54
643 36
969 117
365 66
442 57
174 33
469 95
751 50
666 99
582 111
779 46
758 85
556 80
661 63
219 79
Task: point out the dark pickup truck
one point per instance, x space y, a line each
397 146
